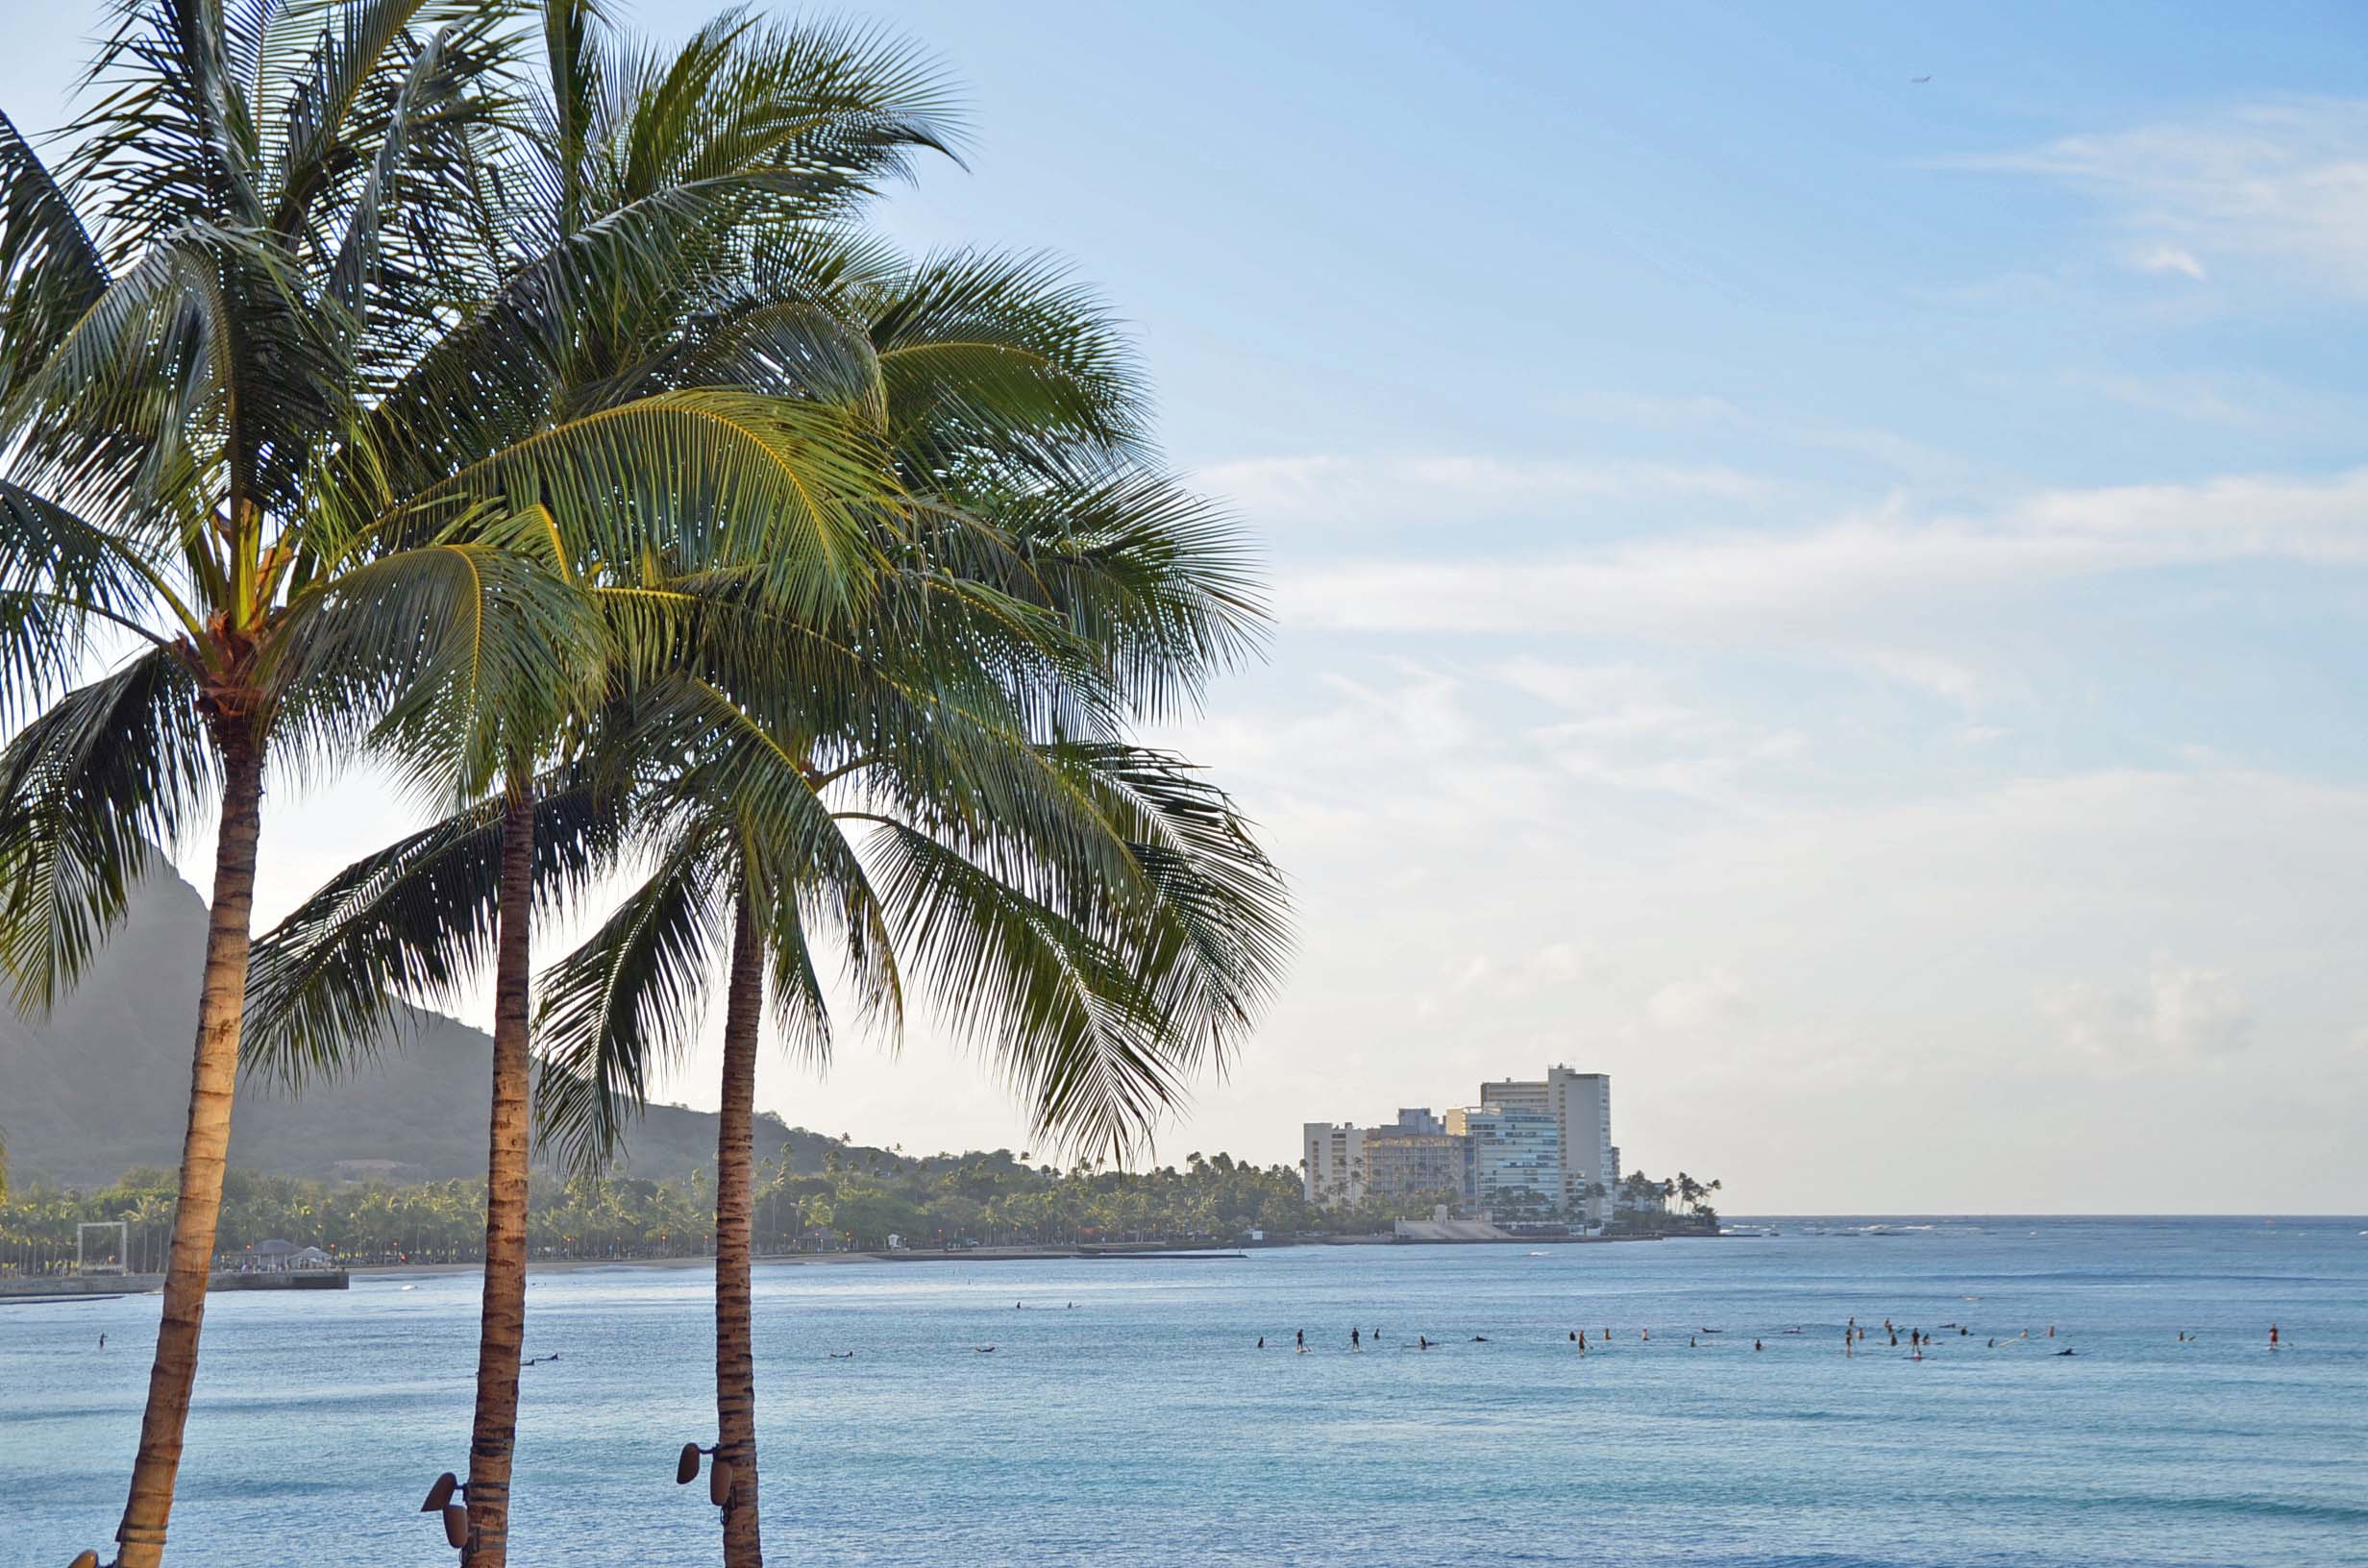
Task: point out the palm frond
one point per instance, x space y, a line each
626 1003
90 793
452 658
1060 1014
326 987
713 478
50 268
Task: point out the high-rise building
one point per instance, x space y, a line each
1580 1105
1415 1157
1526 1096
1332 1163
1583 1113
1516 1161
1532 1146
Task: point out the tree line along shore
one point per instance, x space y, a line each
855 1204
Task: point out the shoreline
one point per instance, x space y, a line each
1011 1255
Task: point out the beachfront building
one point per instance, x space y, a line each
1415 1157
1566 1113
1514 1160
1332 1164
1579 1106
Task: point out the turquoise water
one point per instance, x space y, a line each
1143 1428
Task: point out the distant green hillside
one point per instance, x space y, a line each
102 1084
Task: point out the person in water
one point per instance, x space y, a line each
1756 1345
1302 1338
2273 1336
1262 1341
1354 1342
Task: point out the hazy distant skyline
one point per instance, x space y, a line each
1832 600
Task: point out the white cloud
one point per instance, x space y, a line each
2171 259
2284 184
2184 1017
1880 566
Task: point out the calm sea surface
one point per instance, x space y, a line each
1141 1427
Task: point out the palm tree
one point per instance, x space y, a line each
1049 581
208 321
650 199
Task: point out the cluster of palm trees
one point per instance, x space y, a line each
990 1198
1682 1190
527 411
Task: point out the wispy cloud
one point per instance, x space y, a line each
2183 1015
1882 564
2170 259
1440 491
2284 184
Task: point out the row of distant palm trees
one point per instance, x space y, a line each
527 410
1682 1188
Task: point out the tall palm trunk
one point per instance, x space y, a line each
735 1370
502 1330
205 1148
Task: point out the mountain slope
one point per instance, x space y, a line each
102 1084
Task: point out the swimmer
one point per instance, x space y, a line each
1756 1345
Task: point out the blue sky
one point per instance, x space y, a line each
1834 599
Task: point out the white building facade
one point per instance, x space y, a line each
1332 1164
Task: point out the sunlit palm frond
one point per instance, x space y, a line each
711 477
453 659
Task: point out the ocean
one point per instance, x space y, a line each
1141 1425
